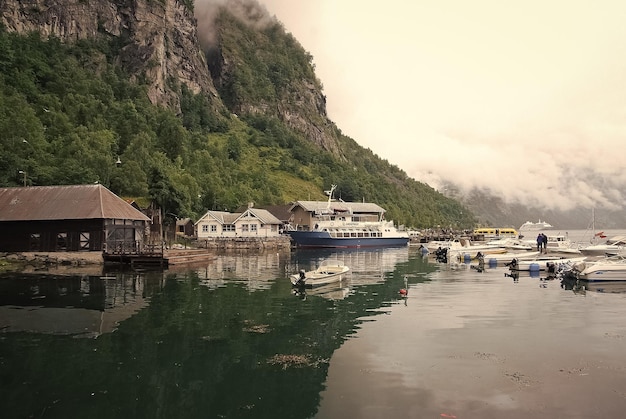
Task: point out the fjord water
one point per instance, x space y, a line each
230 339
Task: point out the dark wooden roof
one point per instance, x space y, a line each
64 203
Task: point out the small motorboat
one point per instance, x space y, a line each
612 268
544 263
328 272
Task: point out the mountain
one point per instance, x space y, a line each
499 211
194 109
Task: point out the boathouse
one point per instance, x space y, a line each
68 218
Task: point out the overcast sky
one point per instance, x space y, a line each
527 98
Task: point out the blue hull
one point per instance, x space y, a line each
313 239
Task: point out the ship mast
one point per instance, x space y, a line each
330 195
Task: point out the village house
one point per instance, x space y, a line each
68 218
185 227
251 223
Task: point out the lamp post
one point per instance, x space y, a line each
21 172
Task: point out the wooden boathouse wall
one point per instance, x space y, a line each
51 236
68 218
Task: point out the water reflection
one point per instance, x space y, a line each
84 306
613 287
223 339
334 291
230 339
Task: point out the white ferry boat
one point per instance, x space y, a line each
337 225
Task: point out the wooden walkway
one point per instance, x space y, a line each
148 255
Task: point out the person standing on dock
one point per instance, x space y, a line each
544 240
539 242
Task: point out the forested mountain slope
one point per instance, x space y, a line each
198 122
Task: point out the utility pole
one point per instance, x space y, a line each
22 172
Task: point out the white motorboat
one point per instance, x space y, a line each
538 226
495 259
612 246
612 268
512 244
465 245
328 272
558 243
543 263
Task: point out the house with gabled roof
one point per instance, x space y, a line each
251 223
68 218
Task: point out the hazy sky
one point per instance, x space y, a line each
527 98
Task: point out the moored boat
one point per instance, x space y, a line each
499 258
345 225
542 263
612 246
465 245
612 268
328 272
558 243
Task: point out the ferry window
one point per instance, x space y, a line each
353 234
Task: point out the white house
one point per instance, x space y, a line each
253 222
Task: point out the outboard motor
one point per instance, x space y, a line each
512 264
301 278
441 254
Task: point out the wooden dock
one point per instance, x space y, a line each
158 257
148 255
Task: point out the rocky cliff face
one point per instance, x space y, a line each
160 44
159 39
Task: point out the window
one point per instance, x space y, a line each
244 227
228 227
213 228
205 228
253 227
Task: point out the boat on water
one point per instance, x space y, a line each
543 263
558 243
612 246
511 244
611 268
463 245
328 272
498 258
539 225
340 224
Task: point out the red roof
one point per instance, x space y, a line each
64 203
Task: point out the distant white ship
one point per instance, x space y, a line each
540 225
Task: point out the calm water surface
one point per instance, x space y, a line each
229 339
